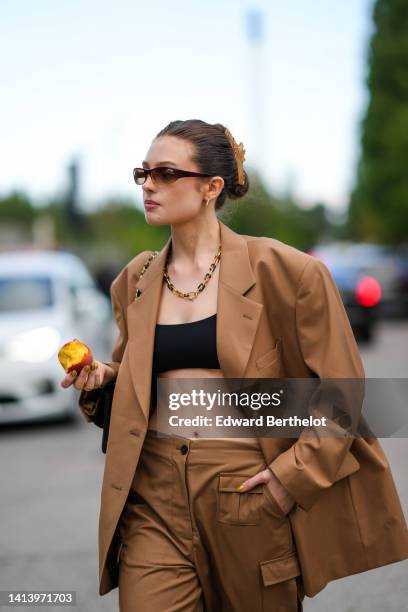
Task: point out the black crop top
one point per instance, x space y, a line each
185 345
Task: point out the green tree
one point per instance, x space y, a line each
17 207
379 202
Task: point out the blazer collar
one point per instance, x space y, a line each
237 316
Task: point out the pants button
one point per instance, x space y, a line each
183 449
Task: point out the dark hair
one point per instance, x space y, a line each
213 154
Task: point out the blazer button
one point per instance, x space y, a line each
183 449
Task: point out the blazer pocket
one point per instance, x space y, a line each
269 357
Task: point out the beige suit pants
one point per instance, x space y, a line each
191 543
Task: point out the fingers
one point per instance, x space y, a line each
94 365
89 378
68 380
278 492
95 376
261 477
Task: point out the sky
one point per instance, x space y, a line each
96 80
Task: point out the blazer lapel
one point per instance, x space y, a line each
237 316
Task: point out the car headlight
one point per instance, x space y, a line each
33 346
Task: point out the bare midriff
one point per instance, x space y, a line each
189 312
186 373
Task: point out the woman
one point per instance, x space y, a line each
241 523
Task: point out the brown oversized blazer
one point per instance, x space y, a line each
279 314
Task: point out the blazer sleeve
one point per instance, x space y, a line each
88 400
329 349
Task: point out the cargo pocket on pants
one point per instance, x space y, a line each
280 584
237 508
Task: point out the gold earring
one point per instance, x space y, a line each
206 203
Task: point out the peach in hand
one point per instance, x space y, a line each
75 355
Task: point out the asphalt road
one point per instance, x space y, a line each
50 485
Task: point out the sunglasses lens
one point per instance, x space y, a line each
164 175
139 175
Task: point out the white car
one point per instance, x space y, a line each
47 298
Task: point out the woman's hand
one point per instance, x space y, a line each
281 495
91 377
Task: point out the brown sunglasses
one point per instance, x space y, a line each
162 174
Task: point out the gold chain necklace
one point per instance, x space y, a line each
191 295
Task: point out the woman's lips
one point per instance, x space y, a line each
149 204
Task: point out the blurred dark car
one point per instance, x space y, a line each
360 290
399 254
383 263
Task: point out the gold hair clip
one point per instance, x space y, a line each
239 154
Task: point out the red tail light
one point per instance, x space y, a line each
368 291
